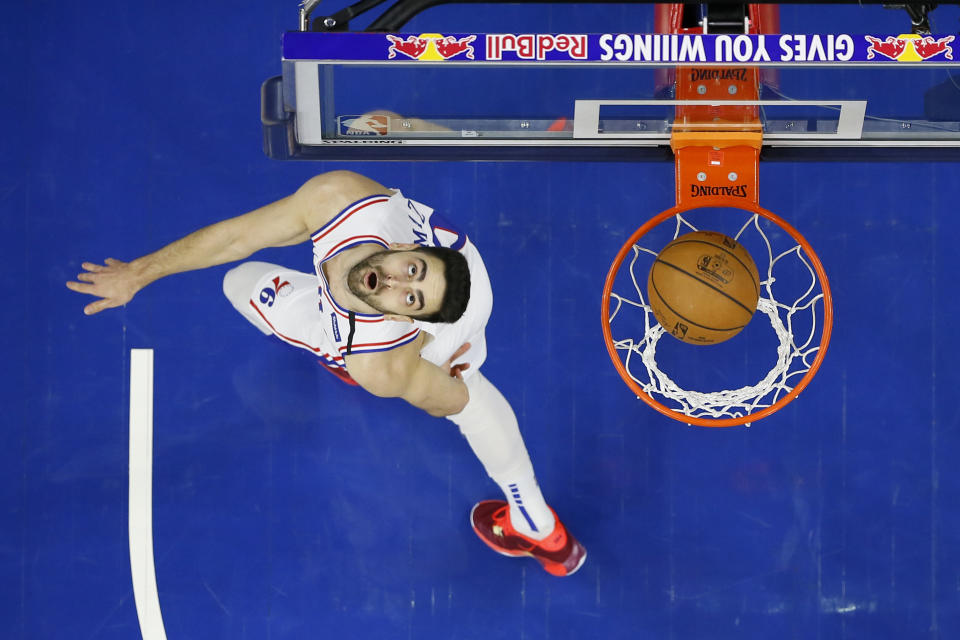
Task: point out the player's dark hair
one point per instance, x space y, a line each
456 295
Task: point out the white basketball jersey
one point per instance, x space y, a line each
379 220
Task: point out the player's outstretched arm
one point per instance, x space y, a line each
402 373
115 283
285 222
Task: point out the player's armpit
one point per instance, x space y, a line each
402 373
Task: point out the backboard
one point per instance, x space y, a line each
605 96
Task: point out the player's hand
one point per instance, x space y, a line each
115 283
455 370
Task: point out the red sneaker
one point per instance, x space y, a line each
559 553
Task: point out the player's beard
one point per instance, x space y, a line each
355 279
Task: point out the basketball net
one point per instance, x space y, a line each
802 325
716 147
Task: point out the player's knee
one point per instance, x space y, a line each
486 406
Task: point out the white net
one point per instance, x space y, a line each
793 311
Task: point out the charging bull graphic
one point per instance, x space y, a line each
909 47
430 46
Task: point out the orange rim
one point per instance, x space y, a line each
750 417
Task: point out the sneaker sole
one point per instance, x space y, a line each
579 564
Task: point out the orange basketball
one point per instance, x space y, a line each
703 287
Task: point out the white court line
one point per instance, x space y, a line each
141 496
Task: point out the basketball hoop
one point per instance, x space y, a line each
801 319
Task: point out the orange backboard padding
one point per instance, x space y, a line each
715 171
716 145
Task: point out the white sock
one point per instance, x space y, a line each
490 427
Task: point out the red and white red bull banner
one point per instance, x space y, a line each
632 48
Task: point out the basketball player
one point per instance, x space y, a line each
398 304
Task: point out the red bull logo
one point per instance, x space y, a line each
430 46
531 46
909 47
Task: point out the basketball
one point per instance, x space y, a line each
703 287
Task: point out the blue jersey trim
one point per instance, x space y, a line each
355 350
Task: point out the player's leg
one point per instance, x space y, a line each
490 427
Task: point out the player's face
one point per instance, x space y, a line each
404 283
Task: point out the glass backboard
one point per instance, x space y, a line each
605 96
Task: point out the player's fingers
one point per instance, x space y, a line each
113 262
92 266
80 287
86 277
459 352
98 306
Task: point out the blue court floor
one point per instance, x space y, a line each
287 506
